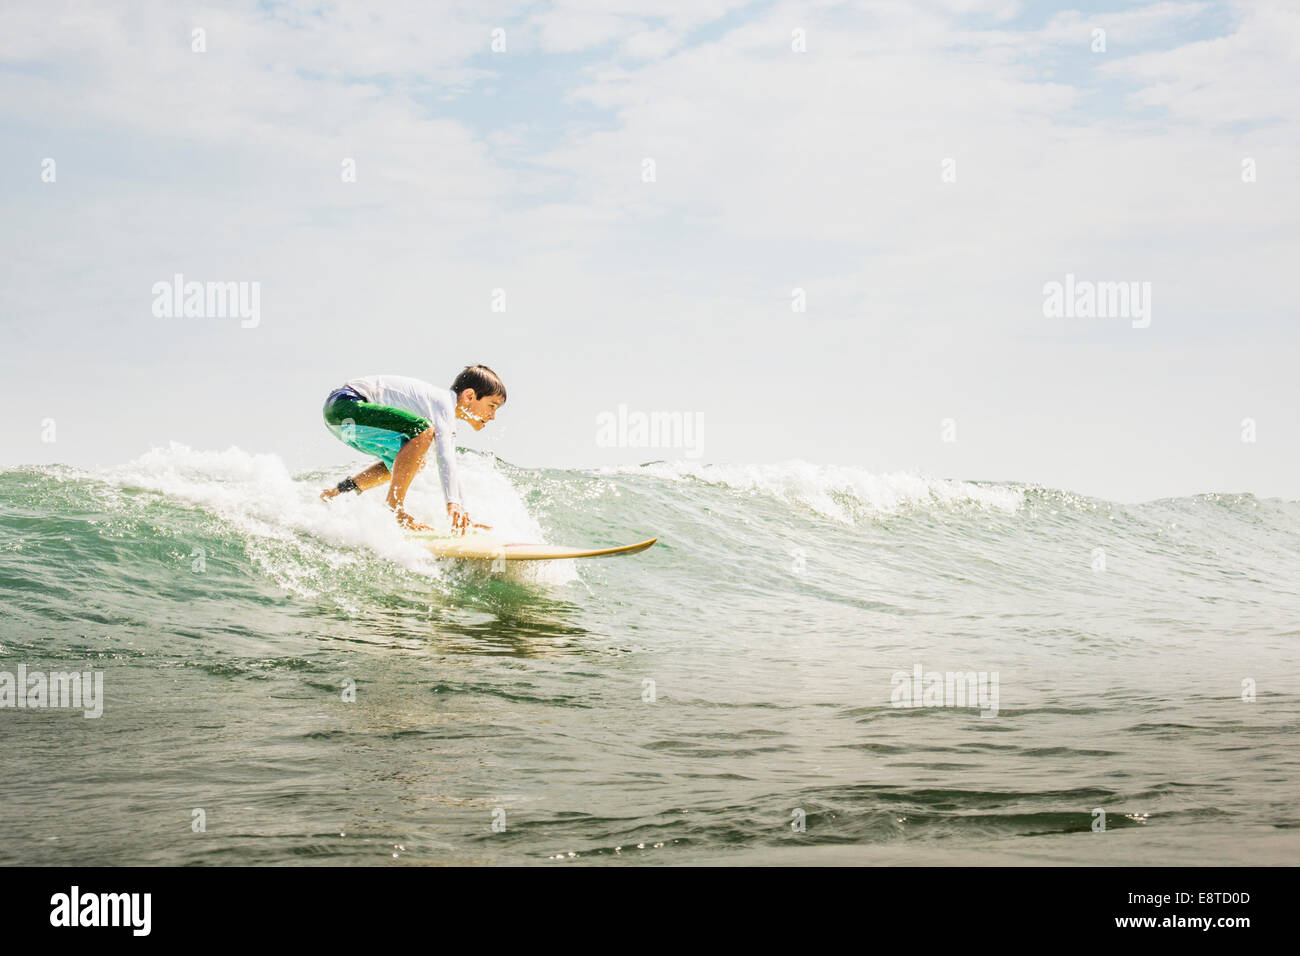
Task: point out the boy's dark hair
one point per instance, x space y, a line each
482 379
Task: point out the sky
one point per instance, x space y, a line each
817 231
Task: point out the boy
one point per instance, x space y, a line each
396 419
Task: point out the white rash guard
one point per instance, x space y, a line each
437 405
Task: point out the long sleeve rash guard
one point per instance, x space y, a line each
436 405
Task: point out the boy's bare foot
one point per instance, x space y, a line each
347 484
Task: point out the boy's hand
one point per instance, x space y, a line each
459 519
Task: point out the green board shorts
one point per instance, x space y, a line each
376 430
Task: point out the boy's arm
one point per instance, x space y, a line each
445 446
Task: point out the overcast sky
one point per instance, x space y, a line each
649 190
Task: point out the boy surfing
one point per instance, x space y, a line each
396 419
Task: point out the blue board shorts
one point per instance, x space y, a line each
376 430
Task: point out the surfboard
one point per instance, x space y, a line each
489 547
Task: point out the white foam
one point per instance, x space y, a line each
817 486
256 495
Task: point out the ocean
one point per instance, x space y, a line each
815 664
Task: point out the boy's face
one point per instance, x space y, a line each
477 411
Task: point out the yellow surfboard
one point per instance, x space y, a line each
489 547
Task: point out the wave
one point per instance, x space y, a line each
179 504
841 493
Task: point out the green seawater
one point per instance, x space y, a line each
291 682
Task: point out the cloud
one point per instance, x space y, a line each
774 169
1231 80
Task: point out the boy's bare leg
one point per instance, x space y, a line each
372 477
406 466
